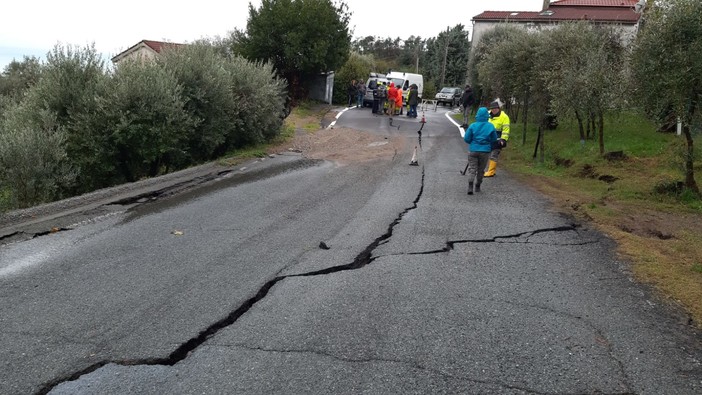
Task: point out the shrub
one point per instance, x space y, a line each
34 166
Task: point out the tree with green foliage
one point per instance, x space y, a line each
517 57
447 57
413 55
209 99
34 165
260 97
300 38
70 83
356 67
484 88
582 67
69 79
391 53
497 65
223 93
146 126
666 68
18 76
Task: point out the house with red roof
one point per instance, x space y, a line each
620 14
144 50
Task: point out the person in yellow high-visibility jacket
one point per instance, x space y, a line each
500 120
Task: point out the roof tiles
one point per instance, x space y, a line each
595 3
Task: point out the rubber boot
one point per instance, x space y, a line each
477 187
491 169
470 188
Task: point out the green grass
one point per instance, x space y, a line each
652 159
643 197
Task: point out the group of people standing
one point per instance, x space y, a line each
385 98
389 99
486 137
356 92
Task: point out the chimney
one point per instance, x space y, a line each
546 4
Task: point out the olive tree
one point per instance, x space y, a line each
145 124
34 165
68 89
260 97
208 97
233 101
667 68
582 67
18 76
489 80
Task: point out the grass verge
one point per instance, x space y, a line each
635 199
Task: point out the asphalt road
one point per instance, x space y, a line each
298 276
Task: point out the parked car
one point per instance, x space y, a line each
449 95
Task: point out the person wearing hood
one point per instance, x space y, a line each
398 101
392 95
480 137
501 122
412 101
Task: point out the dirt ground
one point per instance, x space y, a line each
340 145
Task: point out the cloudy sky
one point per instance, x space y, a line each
33 27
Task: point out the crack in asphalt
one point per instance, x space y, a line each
24 236
170 190
450 245
364 258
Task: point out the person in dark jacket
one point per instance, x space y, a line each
360 93
480 137
413 101
382 96
373 85
351 90
467 101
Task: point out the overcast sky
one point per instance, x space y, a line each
33 27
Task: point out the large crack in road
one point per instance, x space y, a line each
364 258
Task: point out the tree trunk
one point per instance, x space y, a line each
600 131
690 182
526 112
541 146
581 129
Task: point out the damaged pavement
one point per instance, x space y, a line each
300 276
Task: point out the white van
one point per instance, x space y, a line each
404 80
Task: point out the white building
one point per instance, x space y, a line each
617 13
